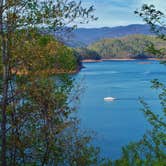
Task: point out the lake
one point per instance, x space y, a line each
120 122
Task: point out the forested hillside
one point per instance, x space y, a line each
133 46
50 55
85 53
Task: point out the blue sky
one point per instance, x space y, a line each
118 12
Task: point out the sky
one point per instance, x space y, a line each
118 12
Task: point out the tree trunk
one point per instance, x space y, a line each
4 87
4 107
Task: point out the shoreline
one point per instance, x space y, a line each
118 59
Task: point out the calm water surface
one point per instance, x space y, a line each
120 122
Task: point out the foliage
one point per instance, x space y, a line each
39 128
42 53
156 19
35 105
151 149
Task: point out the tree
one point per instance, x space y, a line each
156 20
151 149
16 15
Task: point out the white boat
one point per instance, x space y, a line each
109 99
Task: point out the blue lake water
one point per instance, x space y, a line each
120 122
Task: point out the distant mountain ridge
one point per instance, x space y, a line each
83 37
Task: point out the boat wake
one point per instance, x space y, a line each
111 99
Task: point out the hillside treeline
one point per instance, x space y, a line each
133 46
